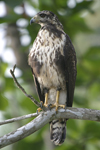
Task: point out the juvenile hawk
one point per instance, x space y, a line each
53 62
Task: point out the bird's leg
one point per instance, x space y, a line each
56 104
46 97
57 101
45 104
46 100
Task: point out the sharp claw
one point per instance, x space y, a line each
41 103
58 105
49 106
37 111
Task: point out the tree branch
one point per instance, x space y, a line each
19 118
43 118
22 89
46 117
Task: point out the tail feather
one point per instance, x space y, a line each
58 131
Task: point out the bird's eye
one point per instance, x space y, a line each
42 15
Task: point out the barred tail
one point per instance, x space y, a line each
58 131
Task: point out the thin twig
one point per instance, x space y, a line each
22 89
19 118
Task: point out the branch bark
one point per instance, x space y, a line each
18 118
46 117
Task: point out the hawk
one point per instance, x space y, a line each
53 62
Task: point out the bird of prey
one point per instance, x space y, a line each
53 62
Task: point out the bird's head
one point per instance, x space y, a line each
46 18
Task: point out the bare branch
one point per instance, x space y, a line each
19 118
46 117
22 89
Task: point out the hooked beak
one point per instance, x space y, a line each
32 20
35 19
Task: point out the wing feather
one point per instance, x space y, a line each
37 85
70 69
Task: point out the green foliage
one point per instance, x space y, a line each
3 102
12 3
81 135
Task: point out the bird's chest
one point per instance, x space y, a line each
47 53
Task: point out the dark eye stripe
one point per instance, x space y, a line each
42 15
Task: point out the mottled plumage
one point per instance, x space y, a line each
53 62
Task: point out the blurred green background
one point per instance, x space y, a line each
81 21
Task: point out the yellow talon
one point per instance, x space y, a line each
56 104
39 109
45 103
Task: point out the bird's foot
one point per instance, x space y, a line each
56 105
40 108
45 103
